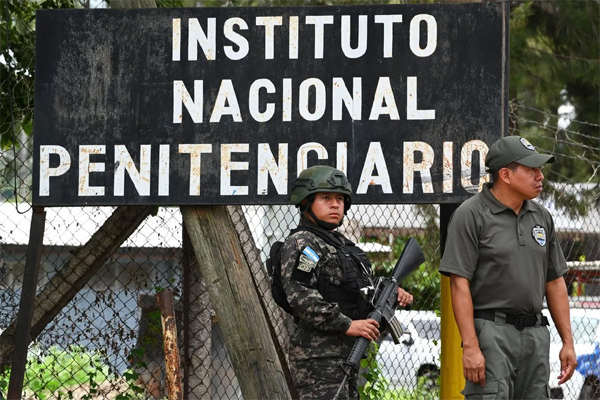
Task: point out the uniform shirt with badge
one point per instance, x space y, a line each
507 258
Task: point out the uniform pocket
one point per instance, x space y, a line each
474 391
480 325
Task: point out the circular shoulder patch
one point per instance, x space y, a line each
539 234
526 144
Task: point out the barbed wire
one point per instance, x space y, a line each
556 129
565 142
556 140
571 181
558 116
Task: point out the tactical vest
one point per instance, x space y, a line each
356 274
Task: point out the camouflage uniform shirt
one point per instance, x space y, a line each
320 326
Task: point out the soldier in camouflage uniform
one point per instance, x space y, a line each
322 279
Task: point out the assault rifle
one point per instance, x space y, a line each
384 300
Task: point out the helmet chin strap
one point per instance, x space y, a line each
325 225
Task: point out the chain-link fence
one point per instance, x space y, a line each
104 329
104 340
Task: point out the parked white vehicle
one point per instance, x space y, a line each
417 355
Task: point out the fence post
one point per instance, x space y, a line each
23 329
452 380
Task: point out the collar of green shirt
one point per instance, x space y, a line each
496 206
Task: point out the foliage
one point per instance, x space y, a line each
57 373
555 61
60 373
421 393
16 25
169 3
376 385
136 358
17 51
425 286
424 391
154 332
134 391
573 203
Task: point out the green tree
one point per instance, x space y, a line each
555 61
17 65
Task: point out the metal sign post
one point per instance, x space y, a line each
22 334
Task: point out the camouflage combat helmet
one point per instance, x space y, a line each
321 178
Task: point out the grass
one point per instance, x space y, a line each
60 372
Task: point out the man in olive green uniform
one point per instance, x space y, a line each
322 273
503 257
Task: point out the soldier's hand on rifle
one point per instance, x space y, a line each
404 298
367 328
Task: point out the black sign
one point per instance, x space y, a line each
227 105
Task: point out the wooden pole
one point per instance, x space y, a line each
276 317
169 328
236 302
197 308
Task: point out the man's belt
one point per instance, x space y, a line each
519 321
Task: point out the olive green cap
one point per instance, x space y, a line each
320 178
514 149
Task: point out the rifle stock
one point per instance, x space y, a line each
384 303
